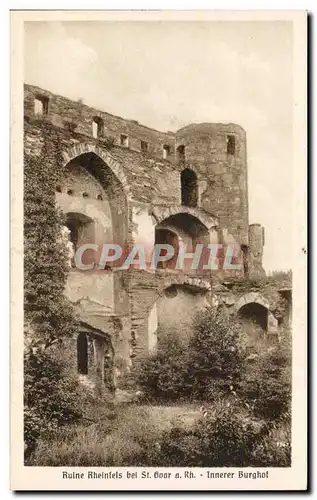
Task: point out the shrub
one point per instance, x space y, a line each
266 382
163 376
227 436
52 396
217 354
209 365
275 448
223 438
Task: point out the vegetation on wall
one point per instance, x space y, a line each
49 396
209 365
275 280
246 402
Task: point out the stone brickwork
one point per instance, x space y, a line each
123 183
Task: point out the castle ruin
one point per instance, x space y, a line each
128 184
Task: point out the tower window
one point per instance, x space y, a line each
181 154
189 189
97 127
144 146
231 144
124 140
41 106
166 151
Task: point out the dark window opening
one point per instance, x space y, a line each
41 106
256 314
181 154
231 144
167 237
99 197
82 354
171 292
85 195
189 191
166 151
97 127
59 189
81 231
74 232
245 260
124 140
70 192
144 146
254 319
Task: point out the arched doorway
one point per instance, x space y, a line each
183 232
90 187
93 198
254 320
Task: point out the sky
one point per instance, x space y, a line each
169 74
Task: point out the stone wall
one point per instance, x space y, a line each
224 190
128 189
65 113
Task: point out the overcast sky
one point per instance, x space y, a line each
169 74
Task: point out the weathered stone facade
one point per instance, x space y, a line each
127 184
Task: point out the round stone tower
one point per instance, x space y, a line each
256 244
217 155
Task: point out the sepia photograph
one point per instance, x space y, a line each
157 237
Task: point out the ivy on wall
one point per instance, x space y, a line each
51 393
45 255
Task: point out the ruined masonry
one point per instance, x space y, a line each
128 184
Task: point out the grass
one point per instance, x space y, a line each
134 438
100 444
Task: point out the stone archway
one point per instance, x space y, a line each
256 308
173 312
96 185
249 298
160 213
82 148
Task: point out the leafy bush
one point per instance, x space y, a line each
211 362
164 376
222 438
53 396
275 448
266 382
225 437
216 354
